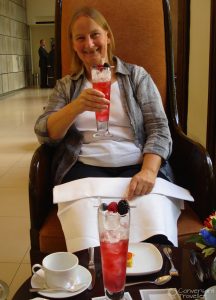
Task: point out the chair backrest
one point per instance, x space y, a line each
139 32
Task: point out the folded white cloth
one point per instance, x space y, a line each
111 188
155 213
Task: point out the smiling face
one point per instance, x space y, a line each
89 41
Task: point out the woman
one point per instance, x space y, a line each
140 144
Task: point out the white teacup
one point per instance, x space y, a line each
59 269
210 293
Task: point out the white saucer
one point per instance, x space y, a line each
210 293
146 260
82 276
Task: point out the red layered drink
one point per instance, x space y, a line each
101 81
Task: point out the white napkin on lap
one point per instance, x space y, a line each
111 188
79 223
155 213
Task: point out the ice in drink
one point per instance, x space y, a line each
101 81
114 264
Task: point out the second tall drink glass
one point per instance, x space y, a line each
113 225
101 80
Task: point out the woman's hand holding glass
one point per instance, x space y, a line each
60 121
90 100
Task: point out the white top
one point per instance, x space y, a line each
119 150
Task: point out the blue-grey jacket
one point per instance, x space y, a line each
143 105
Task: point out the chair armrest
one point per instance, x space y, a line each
193 170
40 185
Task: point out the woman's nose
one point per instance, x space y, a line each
89 42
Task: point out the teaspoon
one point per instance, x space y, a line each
72 289
158 281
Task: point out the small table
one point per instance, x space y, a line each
188 286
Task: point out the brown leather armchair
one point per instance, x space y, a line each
142 31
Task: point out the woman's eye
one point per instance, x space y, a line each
79 38
95 34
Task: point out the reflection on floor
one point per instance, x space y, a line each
18 113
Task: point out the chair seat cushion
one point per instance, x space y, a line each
188 224
52 239
51 236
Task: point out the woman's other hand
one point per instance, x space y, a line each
143 182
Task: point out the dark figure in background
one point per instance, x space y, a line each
51 68
43 63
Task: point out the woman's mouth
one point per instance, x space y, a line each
91 52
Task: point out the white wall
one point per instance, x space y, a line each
198 70
39 10
15 62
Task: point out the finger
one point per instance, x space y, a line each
141 187
95 92
96 99
131 189
149 189
97 107
93 103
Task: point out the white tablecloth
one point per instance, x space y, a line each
156 213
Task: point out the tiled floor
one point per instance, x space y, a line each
18 113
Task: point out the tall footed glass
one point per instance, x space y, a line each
101 81
113 225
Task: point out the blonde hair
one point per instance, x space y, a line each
76 63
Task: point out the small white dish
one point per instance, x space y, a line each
210 293
82 276
160 294
146 260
